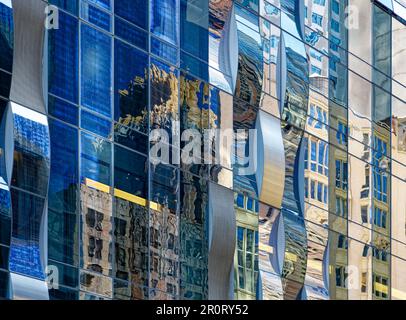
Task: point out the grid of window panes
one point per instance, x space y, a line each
117 227
114 219
353 146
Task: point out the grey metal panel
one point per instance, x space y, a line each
27 91
222 239
271 160
29 29
9 142
25 288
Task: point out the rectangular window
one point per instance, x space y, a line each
335 26
322 150
320 192
306 186
306 153
317 19
313 189
96 53
335 7
313 157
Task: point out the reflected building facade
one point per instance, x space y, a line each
309 208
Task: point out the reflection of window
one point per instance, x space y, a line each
240 201
319 152
312 189
306 186
341 207
380 287
247 259
246 203
364 279
365 251
335 6
318 117
95 247
365 187
317 19
342 242
380 217
380 254
342 133
315 70
318 191
380 175
341 174
335 25
341 277
306 151
94 219
91 247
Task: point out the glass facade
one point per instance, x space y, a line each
306 201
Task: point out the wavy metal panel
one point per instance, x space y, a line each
29 31
222 240
28 153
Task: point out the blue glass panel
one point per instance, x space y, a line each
67 275
69 5
165 186
63 196
96 16
131 87
194 66
93 123
387 3
130 172
64 167
63 294
63 110
63 243
63 59
102 3
131 138
95 159
96 70
135 11
131 33
5 215
164 51
164 96
25 255
252 4
4 257
4 285
5 84
3 173
31 151
165 19
6 37
194 20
